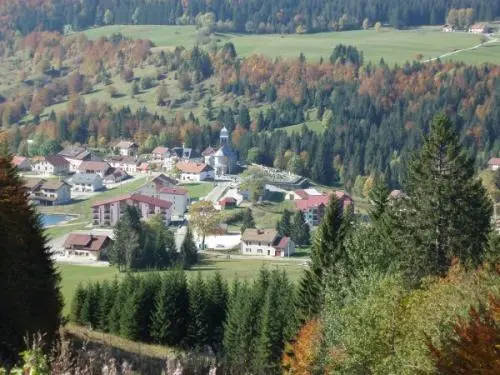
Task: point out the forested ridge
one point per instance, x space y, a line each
261 16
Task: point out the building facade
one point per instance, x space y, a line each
100 168
266 242
86 183
49 193
224 159
50 165
195 172
89 246
127 148
75 156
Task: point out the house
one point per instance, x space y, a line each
224 159
21 163
50 193
75 156
33 184
479 28
266 242
125 163
127 148
160 153
86 182
50 165
447 28
87 245
183 152
314 205
108 212
100 168
494 164
227 203
195 172
164 188
115 175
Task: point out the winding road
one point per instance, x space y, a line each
491 40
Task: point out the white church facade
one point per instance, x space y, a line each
222 160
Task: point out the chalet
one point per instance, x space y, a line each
195 172
314 206
50 165
266 242
227 203
86 182
127 148
100 168
494 164
87 245
108 212
50 193
125 163
115 175
479 28
160 153
21 163
75 156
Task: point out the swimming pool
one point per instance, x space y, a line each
54 219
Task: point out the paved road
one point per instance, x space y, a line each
216 193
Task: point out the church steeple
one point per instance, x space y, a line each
224 136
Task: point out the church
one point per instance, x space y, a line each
222 160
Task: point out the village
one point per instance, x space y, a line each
75 174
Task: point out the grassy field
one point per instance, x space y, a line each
395 46
198 190
245 269
315 126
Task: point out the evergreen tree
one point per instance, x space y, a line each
129 318
448 209
217 309
300 230
108 295
284 225
244 117
197 329
209 109
188 251
77 304
328 249
31 300
128 234
248 221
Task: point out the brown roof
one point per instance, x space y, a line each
208 151
126 144
123 159
89 242
97 166
75 152
56 160
259 235
163 181
137 198
53 184
190 167
160 150
32 183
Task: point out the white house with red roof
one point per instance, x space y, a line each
494 164
266 242
195 172
160 153
21 163
108 212
314 205
87 245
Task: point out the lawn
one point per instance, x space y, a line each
198 190
243 269
395 46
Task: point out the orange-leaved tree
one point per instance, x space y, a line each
300 355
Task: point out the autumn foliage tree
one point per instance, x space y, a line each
301 354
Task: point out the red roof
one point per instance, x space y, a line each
494 161
302 194
228 200
160 150
17 160
190 167
174 190
312 201
343 196
283 244
137 198
89 242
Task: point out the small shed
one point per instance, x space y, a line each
227 203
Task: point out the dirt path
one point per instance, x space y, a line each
492 40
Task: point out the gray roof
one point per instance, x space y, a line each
85 178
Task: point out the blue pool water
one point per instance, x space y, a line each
53 219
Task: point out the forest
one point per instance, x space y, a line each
260 16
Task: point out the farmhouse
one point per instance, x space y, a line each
190 171
75 156
48 193
86 182
494 164
115 175
160 153
266 242
126 148
87 245
479 28
21 163
50 165
125 163
108 212
100 168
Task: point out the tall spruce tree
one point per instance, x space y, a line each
448 211
327 250
31 300
188 251
128 237
284 225
217 308
300 229
248 220
77 304
197 329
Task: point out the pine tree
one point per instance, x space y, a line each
77 304
209 109
31 300
197 329
217 309
108 295
129 319
248 221
128 234
300 230
448 209
188 250
284 225
328 249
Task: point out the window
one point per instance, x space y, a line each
248 250
259 251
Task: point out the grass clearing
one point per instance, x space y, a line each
230 269
315 126
198 190
394 46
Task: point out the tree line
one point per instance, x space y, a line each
252 16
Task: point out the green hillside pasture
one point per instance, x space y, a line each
395 46
243 269
315 126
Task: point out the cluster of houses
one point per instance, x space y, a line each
477 28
